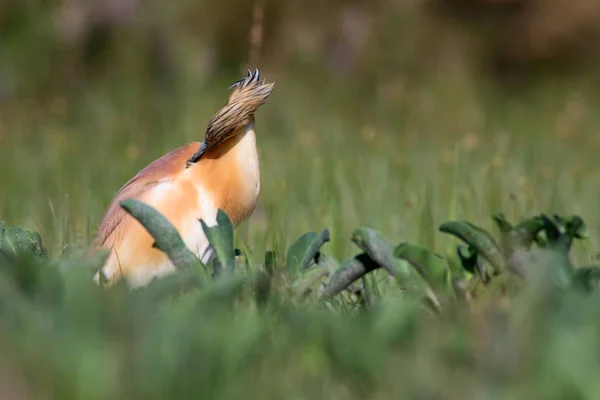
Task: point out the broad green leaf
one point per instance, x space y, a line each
526 232
519 237
530 227
382 251
348 272
221 239
479 239
555 229
506 232
297 251
468 258
430 266
502 222
560 235
166 237
17 240
302 252
217 268
472 263
576 227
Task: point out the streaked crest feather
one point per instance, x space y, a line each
247 96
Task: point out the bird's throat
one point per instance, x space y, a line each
230 173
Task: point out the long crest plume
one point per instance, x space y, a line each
248 95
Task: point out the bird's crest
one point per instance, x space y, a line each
248 95
250 80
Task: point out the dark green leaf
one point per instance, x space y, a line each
479 239
587 278
382 252
297 251
164 233
468 258
17 240
555 229
519 237
270 260
502 223
221 239
346 274
576 227
303 251
560 233
431 267
530 227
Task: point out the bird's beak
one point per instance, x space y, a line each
198 154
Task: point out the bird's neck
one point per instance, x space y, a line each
247 157
231 175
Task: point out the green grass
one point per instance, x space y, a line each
441 151
62 163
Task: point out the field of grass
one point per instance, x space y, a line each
401 162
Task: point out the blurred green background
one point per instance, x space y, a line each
398 115
376 103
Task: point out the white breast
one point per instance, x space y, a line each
192 233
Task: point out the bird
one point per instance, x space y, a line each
189 184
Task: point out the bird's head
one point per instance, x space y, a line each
248 94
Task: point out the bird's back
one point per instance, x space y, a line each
162 185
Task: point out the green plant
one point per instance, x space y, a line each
539 245
209 330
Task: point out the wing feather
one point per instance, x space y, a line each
114 223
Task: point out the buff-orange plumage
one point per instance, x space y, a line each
190 183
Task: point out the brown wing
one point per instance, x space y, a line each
165 167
